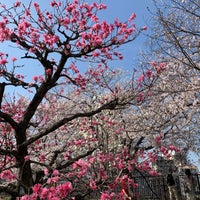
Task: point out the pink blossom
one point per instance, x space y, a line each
94 18
35 78
65 21
140 79
25 197
7 175
44 193
48 71
149 73
163 150
132 17
95 53
173 148
17 4
42 157
27 12
37 188
55 173
102 6
19 76
140 97
153 173
27 158
54 179
120 164
64 189
50 39
162 65
36 5
97 27
13 59
74 68
91 159
53 3
153 63
46 171
3 62
158 139
41 79
105 196
93 184
144 28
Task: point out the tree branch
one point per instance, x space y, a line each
176 41
8 152
108 106
2 88
70 162
9 119
7 188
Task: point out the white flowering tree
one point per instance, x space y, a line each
175 98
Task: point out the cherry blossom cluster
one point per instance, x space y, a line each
15 107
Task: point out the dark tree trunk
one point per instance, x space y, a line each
25 177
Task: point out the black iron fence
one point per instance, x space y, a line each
155 188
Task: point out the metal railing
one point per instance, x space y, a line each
155 187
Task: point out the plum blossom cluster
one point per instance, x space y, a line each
92 76
15 107
3 58
158 66
7 175
123 185
148 77
5 32
36 79
84 168
54 190
60 191
169 151
72 30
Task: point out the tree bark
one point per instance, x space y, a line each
25 177
25 171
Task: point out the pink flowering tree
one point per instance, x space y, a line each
65 135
